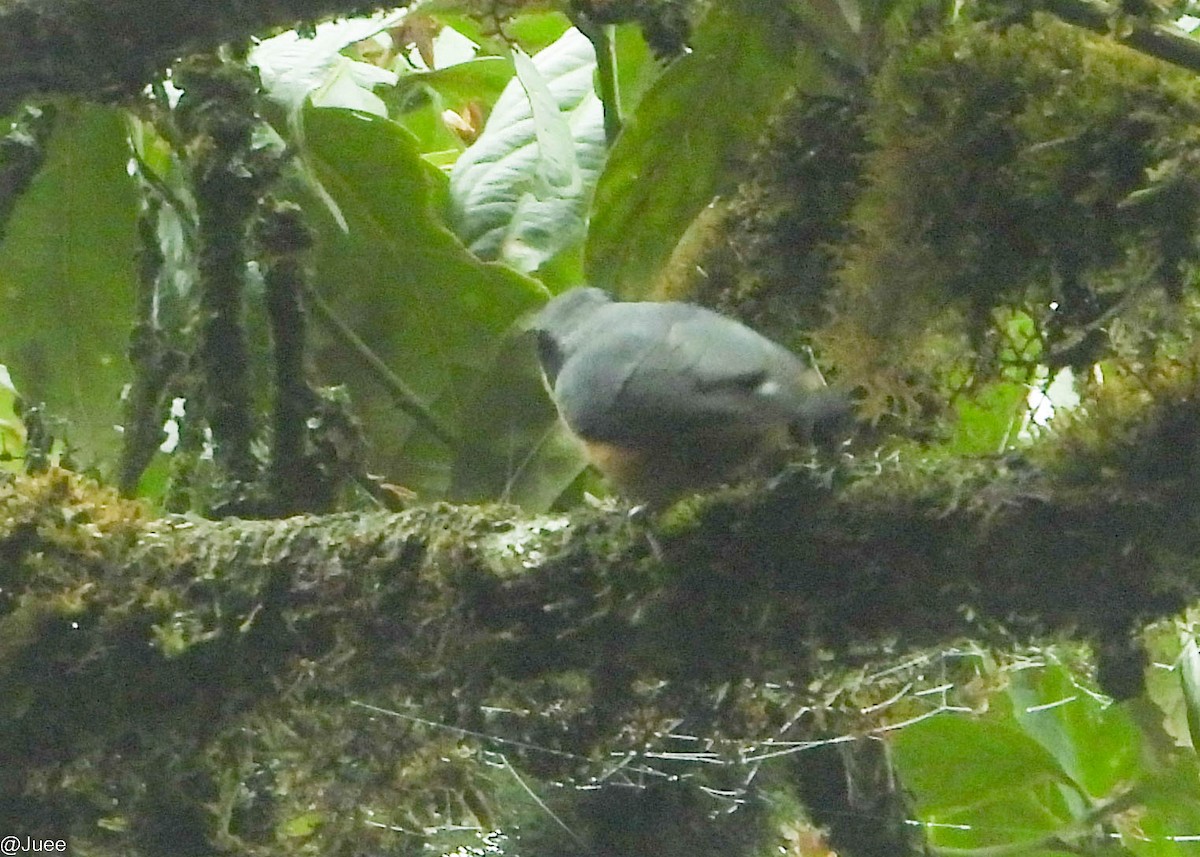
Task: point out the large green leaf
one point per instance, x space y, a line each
637 69
67 274
520 193
1019 819
432 311
419 102
980 782
514 447
686 140
950 761
480 79
1167 820
1094 741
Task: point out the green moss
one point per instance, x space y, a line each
773 263
1032 169
324 685
177 699
1136 425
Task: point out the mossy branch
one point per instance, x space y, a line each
1164 42
135 651
112 49
754 580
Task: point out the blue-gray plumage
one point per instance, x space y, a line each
671 396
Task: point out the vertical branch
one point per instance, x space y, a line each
217 117
216 131
298 482
155 362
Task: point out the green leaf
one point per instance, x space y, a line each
514 447
982 783
1167 821
951 762
1094 741
305 824
690 134
12 431
520 193
531 31
1014 818
431 134
480 79
637 69
1189 681
419 99
67 277
428 308
987 421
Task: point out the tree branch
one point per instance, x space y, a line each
107 49
1165 43
135 647
741 582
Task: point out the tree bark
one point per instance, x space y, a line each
111 49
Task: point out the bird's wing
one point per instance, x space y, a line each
653 370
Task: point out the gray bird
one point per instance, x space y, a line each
672 397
